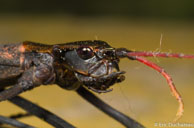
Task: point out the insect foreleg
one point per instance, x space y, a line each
33 77
20 115
101 84
91 98
13 122
40 112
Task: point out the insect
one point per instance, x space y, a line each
88 64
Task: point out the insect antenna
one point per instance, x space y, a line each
133 55
159 54
169 81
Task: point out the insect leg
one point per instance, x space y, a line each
104 82
100 91
40 112
11 92
33 77
112 75
13 122
20 115
24 83
120 117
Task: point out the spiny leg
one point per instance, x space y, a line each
120 117
170 83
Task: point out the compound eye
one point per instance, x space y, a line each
85 52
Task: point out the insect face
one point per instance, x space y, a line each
95 66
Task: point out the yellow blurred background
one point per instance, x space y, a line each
144 95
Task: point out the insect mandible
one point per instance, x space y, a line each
91 64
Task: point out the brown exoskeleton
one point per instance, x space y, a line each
92 64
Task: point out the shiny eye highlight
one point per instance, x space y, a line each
85 53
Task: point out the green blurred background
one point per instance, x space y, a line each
135 25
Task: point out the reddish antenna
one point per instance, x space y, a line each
138 55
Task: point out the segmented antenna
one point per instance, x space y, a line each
169 81
137 55
160 54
